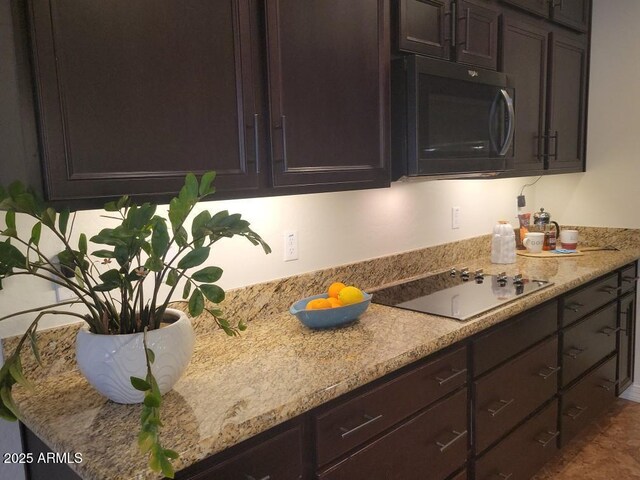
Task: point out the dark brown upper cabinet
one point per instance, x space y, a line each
464 31
329 93
549 69
278 97
570 13
131 97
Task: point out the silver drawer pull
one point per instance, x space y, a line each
503 404
630 279
574 352
611 290
580 411
608 331
546 442
455 373
250 477
458 436
574 307
608 385
368 421
551 371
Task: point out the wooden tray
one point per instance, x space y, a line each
549 254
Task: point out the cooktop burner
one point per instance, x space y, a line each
460 295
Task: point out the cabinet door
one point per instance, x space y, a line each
626 341
477 35
329 82
539 7
424 26
572 13
567 103
524 58
134 95
431 445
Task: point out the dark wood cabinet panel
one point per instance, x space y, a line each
626 341
510 393
432 444
587 342
523 452
424 26
477 35
583 300
566 102
628 278
351 423
539 7
329 88
494 347
587 399
524 58
572 13
131 97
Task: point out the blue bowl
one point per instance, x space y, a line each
329 317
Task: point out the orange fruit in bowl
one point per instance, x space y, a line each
334 289
334 302
350 295
318 304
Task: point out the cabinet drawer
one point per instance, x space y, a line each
431 445
587 342
503 343
524 451
628 278
587 399
279 458
357 420
579 303
510 393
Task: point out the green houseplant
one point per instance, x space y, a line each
126 285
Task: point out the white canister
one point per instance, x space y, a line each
503 243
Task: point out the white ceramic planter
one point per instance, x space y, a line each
108 361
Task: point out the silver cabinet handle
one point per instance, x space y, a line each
546 442
611 290
608 331
574 307
368 421
250 477
503 404
455 373
458 436
612 383
551 371
573 352
580 411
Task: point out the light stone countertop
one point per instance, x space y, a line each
235 388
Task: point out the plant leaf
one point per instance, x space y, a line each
82 244
196 303
195 257
166 467
213 293
15 369
140 384
190 189
152 400
10 256
205 184
207 274
187 289
103 254
7 401
160 237
154 264
172 278
36 232
33 339
10 220
171 453
151 355
49 218
63 220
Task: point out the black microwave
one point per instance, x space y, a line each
449 120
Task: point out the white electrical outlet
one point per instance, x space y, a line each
455 218
290 246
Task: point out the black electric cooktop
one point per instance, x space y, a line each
460 295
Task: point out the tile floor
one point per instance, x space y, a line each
607 450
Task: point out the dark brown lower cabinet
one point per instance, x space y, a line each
587 399
431 445
524 451
626 341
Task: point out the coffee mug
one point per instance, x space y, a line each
533 241
569 239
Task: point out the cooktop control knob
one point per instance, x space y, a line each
517 280
502 278
479 275
453 272
465 274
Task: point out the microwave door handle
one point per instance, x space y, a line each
492 115
511 122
